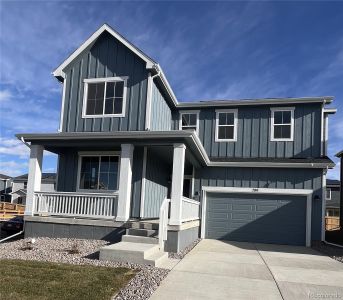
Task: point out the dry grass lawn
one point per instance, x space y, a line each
26 280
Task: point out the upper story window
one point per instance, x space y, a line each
328 194
104 97
98 172
189 120
226 125
25 184
282 124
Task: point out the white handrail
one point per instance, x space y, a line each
190 209
163 223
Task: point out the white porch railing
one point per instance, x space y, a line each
190 209
76 204
163 223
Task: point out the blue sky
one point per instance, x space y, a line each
208 50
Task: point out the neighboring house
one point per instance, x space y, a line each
249 170
340 155
5 187
19 186
333 198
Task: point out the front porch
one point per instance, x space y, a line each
145 174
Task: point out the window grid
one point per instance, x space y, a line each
226 126
189 120
99 172
282 125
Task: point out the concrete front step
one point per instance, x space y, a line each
143 225
142 232
139 239
139 253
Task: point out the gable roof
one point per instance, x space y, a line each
4 177
333 182
58 72
157 70
45 177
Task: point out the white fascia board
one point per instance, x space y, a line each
167 85
149 62
269 165
330 110
244 102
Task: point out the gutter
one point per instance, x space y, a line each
26 143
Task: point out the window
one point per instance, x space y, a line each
282 123
226 125
25 184
189 120
98 172
104 97
328 194
332 212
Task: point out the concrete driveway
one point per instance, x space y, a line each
231 270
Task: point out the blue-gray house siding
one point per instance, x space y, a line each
253 133
107 57
161 114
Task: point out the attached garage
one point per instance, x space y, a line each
275 216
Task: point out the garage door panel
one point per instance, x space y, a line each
256 218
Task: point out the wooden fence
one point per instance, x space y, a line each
10 210
331 223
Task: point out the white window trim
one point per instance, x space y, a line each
195 112
273 110
235 124
96 154
97 80
327 190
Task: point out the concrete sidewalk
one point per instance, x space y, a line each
231 270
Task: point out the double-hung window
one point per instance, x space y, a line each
226 125
98 172
189 120
282 124
104 97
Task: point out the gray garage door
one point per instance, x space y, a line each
275 219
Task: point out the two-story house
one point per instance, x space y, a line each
19 186
131 154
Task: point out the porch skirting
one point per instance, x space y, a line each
74 228
178 240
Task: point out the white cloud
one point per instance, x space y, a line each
13 168
13 147
5 95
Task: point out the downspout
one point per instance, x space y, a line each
11 236
26 143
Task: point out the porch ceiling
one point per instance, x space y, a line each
59 142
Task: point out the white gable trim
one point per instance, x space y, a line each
149 62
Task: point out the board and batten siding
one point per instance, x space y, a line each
105 58
161 116
267 178
156 185
253 133
137 172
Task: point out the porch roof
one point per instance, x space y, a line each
54 142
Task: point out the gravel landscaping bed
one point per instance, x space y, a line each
84 252
182 254
332 251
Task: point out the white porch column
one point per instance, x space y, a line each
125 179
177 184
34 178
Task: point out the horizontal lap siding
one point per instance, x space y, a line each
267 178
253 134
161 116
106 58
